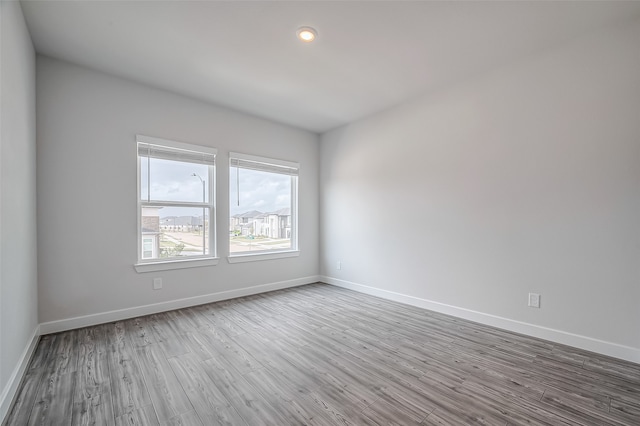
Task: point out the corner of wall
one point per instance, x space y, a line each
9 393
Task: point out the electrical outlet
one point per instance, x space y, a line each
534 300
157 283
339 265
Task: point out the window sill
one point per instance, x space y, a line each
254 257
175 264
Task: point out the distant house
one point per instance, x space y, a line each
276 224
244 222
271 225
150 232
180 223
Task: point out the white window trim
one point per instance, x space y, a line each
246 256
254 257
150 265
266 160
167 265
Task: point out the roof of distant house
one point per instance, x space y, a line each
283 212
251 214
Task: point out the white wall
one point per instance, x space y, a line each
18 276
523 180
87 122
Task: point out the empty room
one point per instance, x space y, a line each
319 213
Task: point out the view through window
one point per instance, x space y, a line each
263 205
176 194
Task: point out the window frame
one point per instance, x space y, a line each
294 250
159 264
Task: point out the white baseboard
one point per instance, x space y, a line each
9 391
122 314
558 336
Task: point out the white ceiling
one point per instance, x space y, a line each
369 55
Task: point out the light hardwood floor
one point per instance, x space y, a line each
317 355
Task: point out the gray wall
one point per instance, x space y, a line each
18 276
87 122
523 180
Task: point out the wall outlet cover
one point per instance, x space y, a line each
534 300
157 283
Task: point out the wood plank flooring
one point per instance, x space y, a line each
317 355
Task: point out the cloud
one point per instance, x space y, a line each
261 191
174 181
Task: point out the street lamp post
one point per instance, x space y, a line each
204 199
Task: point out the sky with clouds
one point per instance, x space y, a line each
262 191
174 181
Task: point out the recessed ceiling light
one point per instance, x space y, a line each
306 34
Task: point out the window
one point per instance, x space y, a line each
176 217
148 246
263 196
